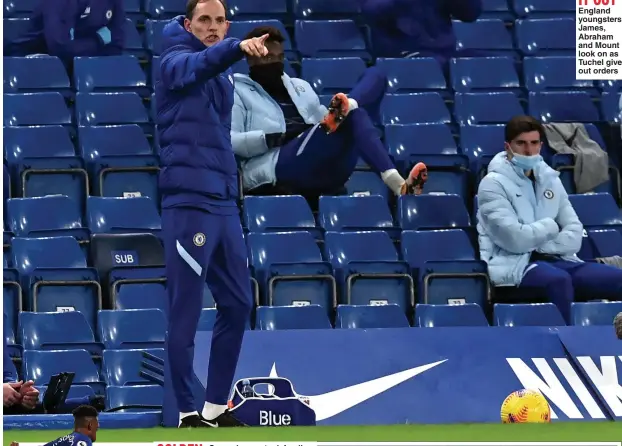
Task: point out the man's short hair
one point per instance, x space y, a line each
192 5
81 413
274 35
523 124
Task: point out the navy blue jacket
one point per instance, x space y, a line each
52 21
407 26
194 99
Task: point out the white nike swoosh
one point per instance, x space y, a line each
329 404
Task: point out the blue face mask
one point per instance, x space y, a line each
526 162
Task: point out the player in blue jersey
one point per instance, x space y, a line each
85 427
72 28
198 182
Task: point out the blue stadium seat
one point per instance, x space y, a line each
278 214
134 398
110 108
523 315
56 259
606 242
418 212
496 9
610 104
47 108
486 108
553 73
483 34
465 315
57 331
133 40
594 313
14 27
139 296
544 37
113 141
404 142
50 216
400 77
153 35
368 269
597 211
24 75
367 183
18 9
133 10
445 267
292 317
333 75
415 108
347 213
481 143
129 329
330 38
239 30
370 316
114 215
473 74
40 366
120 161
11 298
320 9
51 141
127 260
124 367
277 258
543 8
110 73
447 166
162 9
250 9
13 349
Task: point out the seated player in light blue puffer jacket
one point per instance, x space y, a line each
529 233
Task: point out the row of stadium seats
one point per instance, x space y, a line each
339 38
60 215
119 161
348 267
248 9
93 109
146 328
326 76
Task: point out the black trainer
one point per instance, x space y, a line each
195 421
226 419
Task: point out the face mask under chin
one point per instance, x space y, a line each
526 162
267 75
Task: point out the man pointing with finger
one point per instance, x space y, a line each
198 184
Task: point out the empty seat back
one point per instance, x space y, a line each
122 215
129 329
292 317
370 316
465 315
536 315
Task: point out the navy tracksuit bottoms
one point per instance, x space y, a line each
561 281
203 247
317 161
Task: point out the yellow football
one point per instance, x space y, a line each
525 406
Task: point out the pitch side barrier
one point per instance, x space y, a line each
354 377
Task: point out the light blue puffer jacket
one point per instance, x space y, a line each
514 220
256 114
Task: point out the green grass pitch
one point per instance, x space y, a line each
587 432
